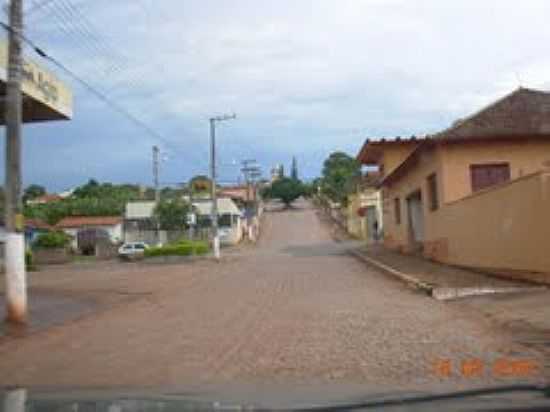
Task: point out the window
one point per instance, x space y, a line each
397 210
487 175
432 192
224 220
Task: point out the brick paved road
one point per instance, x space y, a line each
294 308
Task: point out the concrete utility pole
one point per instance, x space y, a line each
16 282
156 163
156 173
250 171
214 214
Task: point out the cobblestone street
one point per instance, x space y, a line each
294 308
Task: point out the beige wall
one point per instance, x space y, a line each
394 155
357 225
506 228
524 157
397 236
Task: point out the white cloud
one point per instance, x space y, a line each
307 74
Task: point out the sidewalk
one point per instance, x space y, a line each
440 281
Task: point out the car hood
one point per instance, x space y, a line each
509 398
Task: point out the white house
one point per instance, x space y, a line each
230 218
74 224
140 225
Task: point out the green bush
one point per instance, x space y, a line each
201 248
181 248
52 240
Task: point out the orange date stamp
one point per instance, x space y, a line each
475 367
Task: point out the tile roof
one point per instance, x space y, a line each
237 192
372 149
46 199
522 113
37 224
83 221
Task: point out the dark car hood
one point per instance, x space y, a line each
505 398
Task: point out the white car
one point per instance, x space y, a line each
132 250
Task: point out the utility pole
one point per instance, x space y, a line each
157 190
156 173
214 214
250 171
16 282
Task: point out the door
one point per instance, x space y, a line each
372 225
416 217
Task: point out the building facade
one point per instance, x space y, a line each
478 193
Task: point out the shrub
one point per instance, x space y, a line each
181 248
201 248
169 250
52 240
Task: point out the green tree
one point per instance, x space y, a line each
341 174
287 190
172 214
90 189
91 199
33 191
310 189
265 192
52 240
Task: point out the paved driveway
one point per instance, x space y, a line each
294 308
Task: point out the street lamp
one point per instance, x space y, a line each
214 214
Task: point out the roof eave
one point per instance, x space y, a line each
409 162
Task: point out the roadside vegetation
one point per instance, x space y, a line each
52 240
340 176
172 214
180 248
286 189
91 199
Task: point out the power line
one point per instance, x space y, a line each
37 6
90 88
67 15
79 30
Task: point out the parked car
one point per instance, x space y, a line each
132 250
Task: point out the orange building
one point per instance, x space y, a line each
476 194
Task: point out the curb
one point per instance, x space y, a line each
410 280
445 293
442 293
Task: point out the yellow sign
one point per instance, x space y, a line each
42 87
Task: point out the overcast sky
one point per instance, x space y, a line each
304 77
